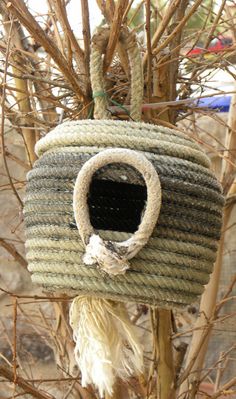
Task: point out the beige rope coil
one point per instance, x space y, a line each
112 256
99 44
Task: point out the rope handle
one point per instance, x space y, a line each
113 257
98 48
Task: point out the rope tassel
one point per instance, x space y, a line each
107 345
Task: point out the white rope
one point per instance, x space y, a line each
107 345
112 257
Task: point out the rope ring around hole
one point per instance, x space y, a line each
113 257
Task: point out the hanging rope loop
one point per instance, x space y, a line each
98 48
113 257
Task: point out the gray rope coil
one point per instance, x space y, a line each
173 267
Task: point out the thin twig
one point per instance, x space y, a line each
3 119
21 383
14 339
149 49
120 9
19 9
162 27
87 39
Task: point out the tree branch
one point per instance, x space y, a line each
11 249
21 383
20 11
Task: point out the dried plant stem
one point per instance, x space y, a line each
20 11
2 124
21 88
25 109
149 49
108 10
175 52
215 24
25 76
87 38
203 328
223 389
179 27
161 28
21 383
11 249
135 13
120 9
165 368
14 339
230 169
62 17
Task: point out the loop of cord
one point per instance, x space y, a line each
98 47
112 256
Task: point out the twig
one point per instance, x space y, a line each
175 53
38 297
11 249
62 16
216 22
3 120
39 79
161 28
149 49
87 38
17 160
19 9
108 10
14 339
120 9
201 337
166 372
135 13
21 383
179 27
224 388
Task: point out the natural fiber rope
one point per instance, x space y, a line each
151 269
118 171
79 135
98 47
57 232
82 184
175 263
125 292
147 257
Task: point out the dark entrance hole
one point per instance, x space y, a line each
116 206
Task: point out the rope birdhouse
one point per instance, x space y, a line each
119 211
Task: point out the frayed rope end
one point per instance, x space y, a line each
107 345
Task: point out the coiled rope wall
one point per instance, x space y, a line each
173 267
